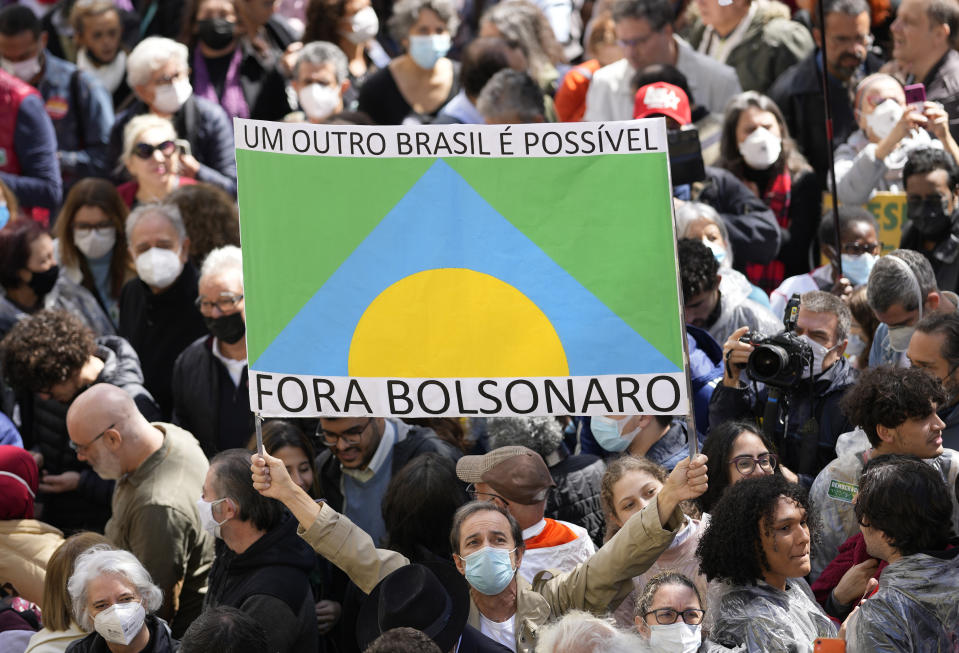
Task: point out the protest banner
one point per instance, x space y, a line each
460 270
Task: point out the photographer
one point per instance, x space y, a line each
807 437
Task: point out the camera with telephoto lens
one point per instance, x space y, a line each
783 359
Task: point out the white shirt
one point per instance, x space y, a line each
501 632
233 367
382 451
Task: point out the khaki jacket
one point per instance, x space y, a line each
25 547
595 585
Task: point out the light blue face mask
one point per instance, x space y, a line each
4 215
489 570
427 50
857 268
606 432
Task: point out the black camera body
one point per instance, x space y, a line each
780 360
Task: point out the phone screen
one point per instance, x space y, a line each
915 95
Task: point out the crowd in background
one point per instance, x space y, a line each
824 503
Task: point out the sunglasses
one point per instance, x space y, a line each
145 150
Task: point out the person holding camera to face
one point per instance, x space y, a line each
793 380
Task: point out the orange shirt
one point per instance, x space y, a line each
570 99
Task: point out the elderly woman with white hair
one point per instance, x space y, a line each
700 221
152 158
158 73
114 600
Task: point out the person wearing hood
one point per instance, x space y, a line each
706 305
49 358
159 470
210 386
261 566
814 421
320 80
859 244
931 180
488 550
903 510
896 408
873 157
158 313
933 348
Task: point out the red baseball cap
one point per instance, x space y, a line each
662 99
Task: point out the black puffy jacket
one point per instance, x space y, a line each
575 499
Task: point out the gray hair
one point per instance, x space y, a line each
658 13
844 8
321 52
582 632
407 12
510 92
223 259
168 210
691 212
151 54
819 301
523 25
541 434
140 124
890 281
99 560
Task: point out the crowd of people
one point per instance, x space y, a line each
134 514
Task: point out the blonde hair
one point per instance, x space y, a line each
139 124
56 604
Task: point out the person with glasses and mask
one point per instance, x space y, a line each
159 471
210 388
896 408
670 614
361 455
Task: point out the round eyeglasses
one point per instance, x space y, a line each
747 464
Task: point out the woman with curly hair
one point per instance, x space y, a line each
628 485
210 217
757 545
523 25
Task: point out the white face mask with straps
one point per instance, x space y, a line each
899 336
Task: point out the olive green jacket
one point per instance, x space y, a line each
595 585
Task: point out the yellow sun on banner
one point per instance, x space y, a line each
454 322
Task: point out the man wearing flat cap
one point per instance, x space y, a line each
517 479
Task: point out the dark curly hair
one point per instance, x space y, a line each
731 546
908 500
210 218
322 20
44 349
718 448
889 396
698 268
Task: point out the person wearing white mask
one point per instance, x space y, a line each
756 147
320 80
91 244
114 599
157 311
871 160
859 244
417 84
261 567
159 470
670 614
158 73
97 33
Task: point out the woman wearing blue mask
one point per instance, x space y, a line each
415 85
859 242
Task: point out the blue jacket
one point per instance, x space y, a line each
35 143
82 114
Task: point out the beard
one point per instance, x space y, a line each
108 468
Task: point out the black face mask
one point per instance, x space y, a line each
228 328
929 217
42 282
217 33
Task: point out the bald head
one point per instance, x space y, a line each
100 406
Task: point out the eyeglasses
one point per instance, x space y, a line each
747 464
667 616
145 150
844 42
80 448
916 202
226 301
856 249
475 495
350 436
632 43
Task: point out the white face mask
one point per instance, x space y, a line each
365 25
818 354
110 75
210 524
884 117
319 101
761 149
170 97
120 623
95 243
855 346
159 267
675 638
24 70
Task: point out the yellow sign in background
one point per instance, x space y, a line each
889 209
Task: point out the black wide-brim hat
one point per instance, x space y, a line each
432 597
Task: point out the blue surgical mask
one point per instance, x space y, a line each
4 215
719 252
606 432
427 50
857 268
489 570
